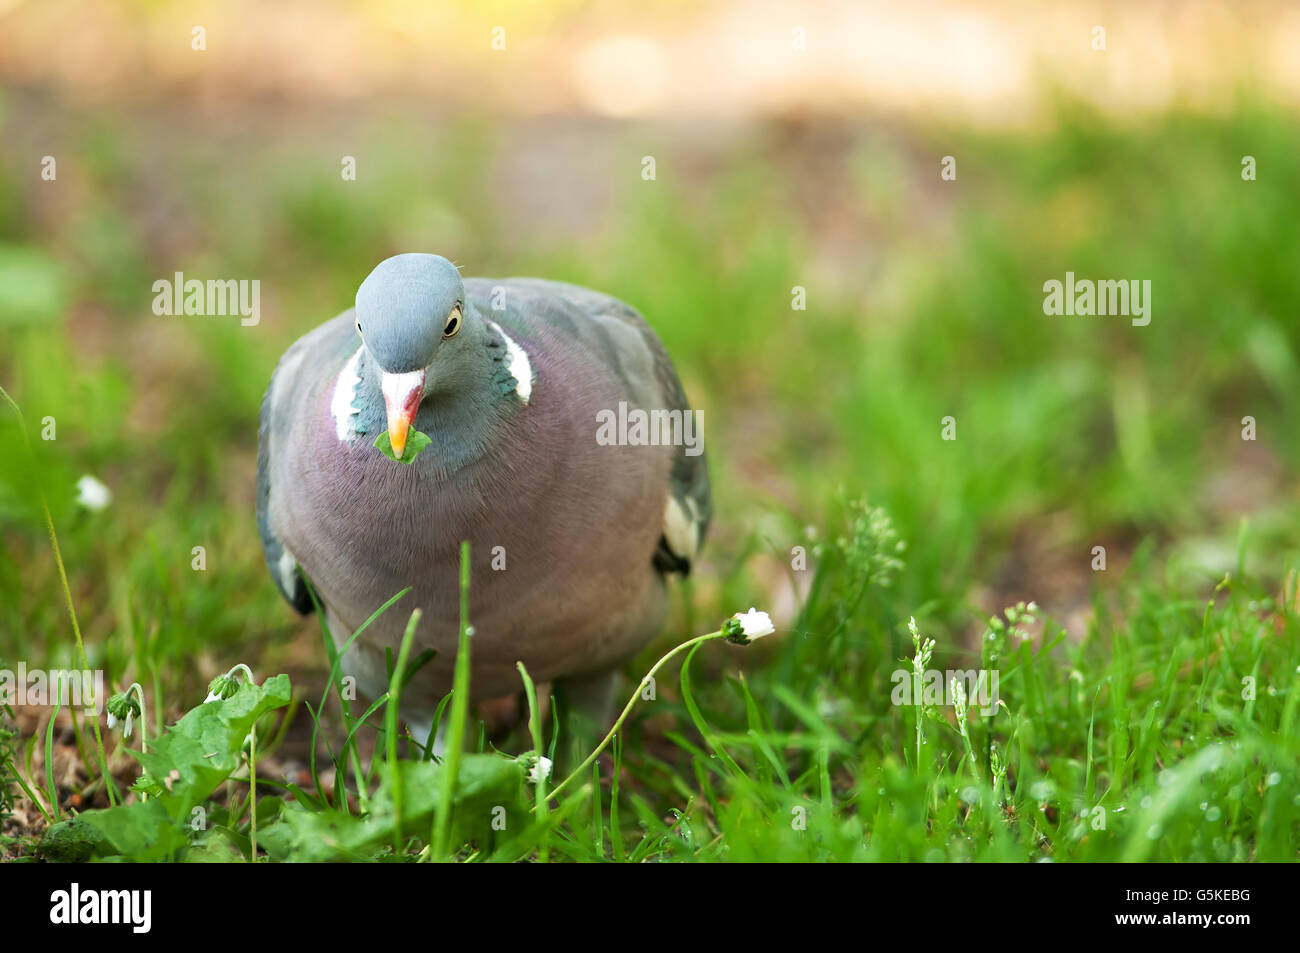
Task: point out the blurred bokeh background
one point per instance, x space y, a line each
795 145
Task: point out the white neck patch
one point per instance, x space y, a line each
517 362
345 393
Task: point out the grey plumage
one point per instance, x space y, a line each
586 532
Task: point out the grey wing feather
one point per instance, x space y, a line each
689 479
690 505
283 567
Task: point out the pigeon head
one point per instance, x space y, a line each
410 310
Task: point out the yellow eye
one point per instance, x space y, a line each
453 323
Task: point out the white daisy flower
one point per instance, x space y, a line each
754 624
92 494
540 771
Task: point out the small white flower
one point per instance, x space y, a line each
226 686
92 494
125 707
755 624
540 771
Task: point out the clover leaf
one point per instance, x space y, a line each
415 442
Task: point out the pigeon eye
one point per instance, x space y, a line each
358 327
453 323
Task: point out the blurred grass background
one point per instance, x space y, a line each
924 296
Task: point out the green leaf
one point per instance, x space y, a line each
140 831
218 846
483 782
415 442
184 765
195 756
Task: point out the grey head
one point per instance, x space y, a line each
406 307
419 331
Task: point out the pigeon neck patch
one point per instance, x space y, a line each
517 363
343 405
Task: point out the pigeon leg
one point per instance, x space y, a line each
587 707
421 729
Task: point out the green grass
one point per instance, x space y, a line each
1125 734
1174 735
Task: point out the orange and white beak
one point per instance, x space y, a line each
402 396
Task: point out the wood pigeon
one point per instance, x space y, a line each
573 525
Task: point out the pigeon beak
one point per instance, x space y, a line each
402 396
